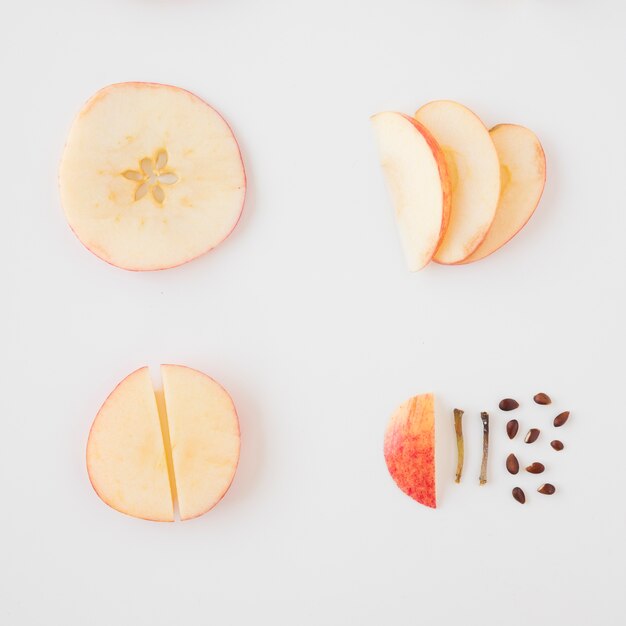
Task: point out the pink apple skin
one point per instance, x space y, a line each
410 448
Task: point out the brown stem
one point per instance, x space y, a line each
458 427
483 468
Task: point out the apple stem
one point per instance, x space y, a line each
458 427
484 416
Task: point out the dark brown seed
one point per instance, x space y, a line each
535 468
518 494
508 404
542 398
561 418
511 428
512 464
532 435
557 445
547 489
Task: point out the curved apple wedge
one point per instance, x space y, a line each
523 177
410 448
474 170
416 176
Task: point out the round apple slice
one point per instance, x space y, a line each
472 163
151 176
523 177
410 448
126 458
416 176
204 437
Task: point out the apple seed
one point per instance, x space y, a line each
560 419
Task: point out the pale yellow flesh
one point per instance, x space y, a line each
139 221
125 453
204 435
523 176
474 170
414 183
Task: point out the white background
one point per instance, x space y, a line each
307 315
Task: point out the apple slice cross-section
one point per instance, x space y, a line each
125 454
522 179
410 448
474 170
417 179
204 435
151 176
151 451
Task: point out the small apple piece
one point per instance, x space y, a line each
151 176
410 448
474 170
125 452
416 176
522 179
204 436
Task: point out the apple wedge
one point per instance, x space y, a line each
474 170
204 435
522 179
416 176
410 448
126 459
149 451
151 176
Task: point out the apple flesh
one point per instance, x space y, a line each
474 170
151 176
204 437
126 459
410 448
149 452
523 177
417 179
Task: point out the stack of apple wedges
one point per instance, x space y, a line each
459 191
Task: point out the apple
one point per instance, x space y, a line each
474 170
151 451
151 176
522 176
410 448
204 437
415 171
126 459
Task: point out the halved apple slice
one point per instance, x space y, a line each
204 435
415 171
410 448
125 452
522 179
151 176
148 450
472 163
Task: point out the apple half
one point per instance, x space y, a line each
151 451
410 448
151 176
415 171
522 180
474 170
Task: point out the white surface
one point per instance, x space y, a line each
307 315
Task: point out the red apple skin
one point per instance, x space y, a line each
410 448
92 101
